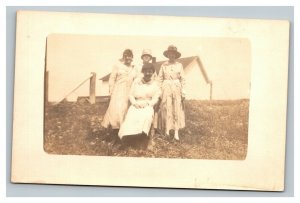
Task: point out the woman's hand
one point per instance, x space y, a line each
136 105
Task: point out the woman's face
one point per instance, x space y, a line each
127 59
148 74
172 56
146 58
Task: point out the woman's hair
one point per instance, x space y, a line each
148 66
127 52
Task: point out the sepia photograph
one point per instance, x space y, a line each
143 96
150 101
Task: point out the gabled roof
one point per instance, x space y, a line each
184 61
105 78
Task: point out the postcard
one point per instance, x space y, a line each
150 101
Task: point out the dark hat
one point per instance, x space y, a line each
127 52
172 48
148 66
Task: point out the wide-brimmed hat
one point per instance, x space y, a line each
173 49
146 52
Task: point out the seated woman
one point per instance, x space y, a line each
143 95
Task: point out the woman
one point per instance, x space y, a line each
144 94
120 82
172 80
146 58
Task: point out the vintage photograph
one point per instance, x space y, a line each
150 101
147 96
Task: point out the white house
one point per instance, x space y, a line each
198 85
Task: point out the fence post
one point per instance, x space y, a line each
93 88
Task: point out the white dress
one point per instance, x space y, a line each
139 120
120 82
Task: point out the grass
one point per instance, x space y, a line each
214 130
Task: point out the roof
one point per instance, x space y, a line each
105 78
184 61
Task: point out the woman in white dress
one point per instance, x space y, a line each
172 81
143 95
120 81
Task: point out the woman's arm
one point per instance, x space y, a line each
182 81
132 99
160 76
131 93
112 79
156 95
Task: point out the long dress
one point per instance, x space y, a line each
120 82
139 120
172 80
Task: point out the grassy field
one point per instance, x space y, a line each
214 130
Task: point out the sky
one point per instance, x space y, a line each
71 59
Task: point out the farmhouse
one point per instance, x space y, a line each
198 85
